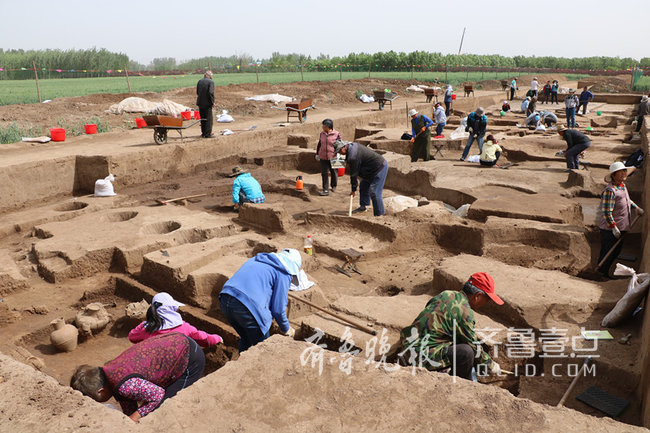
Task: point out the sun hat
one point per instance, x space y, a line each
480 110
413 112
338 145
617 166
572 91
290 259
236 171
166 299
484 282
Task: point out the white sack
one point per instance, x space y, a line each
399 203
636 290
104 187
224 117
366 99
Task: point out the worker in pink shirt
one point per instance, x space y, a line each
163 318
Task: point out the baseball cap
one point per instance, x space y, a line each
483 281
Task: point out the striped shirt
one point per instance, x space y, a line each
607 204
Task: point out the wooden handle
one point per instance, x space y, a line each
333 314
350 211
611 250
574 382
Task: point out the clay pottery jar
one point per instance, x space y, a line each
64 336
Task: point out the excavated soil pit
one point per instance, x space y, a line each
73 205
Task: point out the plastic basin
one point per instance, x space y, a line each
140 123
186 115
90 128
453 96
341 171
197 115
57 134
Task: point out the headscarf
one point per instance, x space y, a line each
167 310
290 259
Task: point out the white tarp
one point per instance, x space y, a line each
141 105
272 97
399 203
415 89
366 99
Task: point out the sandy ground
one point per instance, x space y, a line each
533 222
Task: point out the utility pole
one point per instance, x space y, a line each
462 38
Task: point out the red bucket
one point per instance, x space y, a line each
453 96
140 123
341 171
186 115
90 128
57 134
197 115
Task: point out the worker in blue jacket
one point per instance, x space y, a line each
476 126
421 137
245 189
585 98
258 293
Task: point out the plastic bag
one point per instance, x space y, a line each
636 290
224 117
104 187
366 99
399 203
462 211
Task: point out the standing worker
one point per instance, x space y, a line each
533 86
554 88
448 100
546 92
443 334
513 88
325 153
372 168
476 126
641 112
205 102
585 97
616 208
258 293
570 104
440 118
421 136
576 142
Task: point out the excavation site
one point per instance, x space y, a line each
88 266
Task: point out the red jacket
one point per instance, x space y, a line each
325 148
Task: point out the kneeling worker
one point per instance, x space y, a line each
431 336
491 152
245 189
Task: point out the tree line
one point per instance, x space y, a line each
86 61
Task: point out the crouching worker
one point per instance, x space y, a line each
491 152
148 373
245 189
258 293
448 318
163 318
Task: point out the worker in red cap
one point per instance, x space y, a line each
442 336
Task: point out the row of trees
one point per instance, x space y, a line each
102 60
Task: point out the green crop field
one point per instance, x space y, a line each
24 91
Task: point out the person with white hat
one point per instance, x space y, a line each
616 211
163 317
533 86
421 136
576 143
570 104
258 293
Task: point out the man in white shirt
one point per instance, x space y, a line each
533 86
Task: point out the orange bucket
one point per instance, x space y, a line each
140 123
453 96
57 134
341 171
90 128
186 115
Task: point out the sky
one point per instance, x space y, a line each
145 29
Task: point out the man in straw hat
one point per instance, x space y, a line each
421 136
205 102
570 104
443 334
576 143
245 189
616 211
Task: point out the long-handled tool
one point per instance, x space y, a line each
611 250
587 363
172 200
331 313
350 211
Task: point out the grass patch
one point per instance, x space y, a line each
14 132
24 91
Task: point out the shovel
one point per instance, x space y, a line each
172 200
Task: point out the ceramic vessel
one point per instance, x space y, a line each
64 336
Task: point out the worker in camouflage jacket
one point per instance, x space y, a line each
429 341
